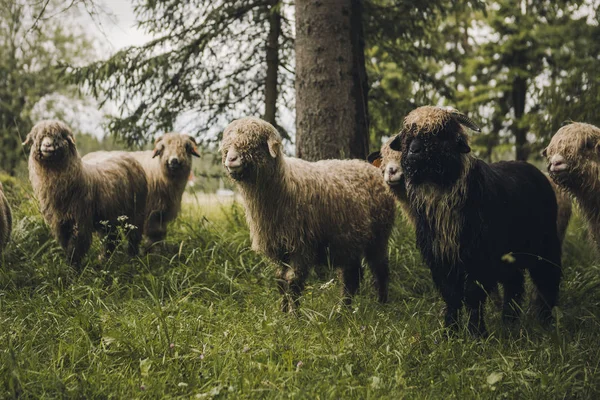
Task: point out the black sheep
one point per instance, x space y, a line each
478 224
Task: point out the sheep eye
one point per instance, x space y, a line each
589 144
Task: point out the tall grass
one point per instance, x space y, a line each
200 319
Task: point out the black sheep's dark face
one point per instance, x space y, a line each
432 157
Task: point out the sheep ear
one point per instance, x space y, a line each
28 140
375 158
192 146
395 144
71 140
194 151
544 153
274 146
465 121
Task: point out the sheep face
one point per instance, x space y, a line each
389 162
573 156
52 143
432 144
175 153
250 149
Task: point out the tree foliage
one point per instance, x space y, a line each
31 51
206 65
529 68
408 46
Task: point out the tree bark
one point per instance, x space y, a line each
272 62
519 93
331 80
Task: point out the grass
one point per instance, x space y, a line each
202 321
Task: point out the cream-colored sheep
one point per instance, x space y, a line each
304 213
77 198
167 169
573 163
5 221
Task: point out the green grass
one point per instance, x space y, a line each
202 321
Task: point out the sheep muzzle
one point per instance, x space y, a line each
392 175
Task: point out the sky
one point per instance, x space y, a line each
119 30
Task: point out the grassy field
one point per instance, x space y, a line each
202 321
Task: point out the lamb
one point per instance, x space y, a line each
5 221
77 198
303 213
478 224
573 165
167 170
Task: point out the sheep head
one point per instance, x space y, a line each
433 145
175 153
573 156
389 162
51 142
250 148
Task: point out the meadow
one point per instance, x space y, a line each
201 319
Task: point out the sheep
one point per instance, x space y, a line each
167 170
477 224
303 213
77 198
5 220
572 157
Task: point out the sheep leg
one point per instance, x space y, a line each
156 229
475 295
351 276
546 275
134 238
74 241
290 281
514 287
379 264
450 282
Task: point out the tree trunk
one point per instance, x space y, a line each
331 80
272 62
519 93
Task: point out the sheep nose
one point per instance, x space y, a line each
233 160
47 144
558 163
174 162
392 170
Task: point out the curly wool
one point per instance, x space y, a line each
77 198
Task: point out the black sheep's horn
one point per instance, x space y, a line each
466 121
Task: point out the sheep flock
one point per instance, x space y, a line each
478 225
